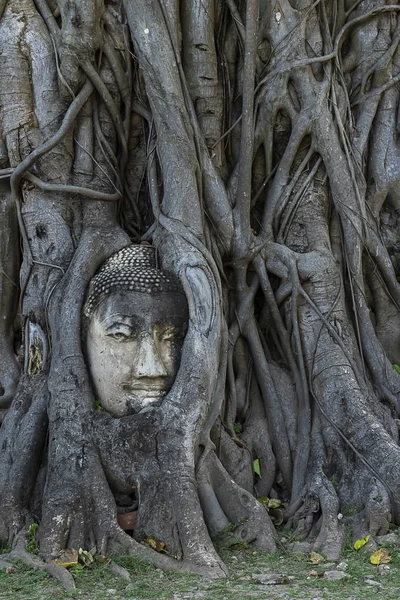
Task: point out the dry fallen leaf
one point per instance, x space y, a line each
66 558
10 570
316 559
380 557
86 558
157 545
358 544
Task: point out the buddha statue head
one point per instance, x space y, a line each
136 320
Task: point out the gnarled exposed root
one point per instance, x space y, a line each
120 543
239 506
34 562
311 391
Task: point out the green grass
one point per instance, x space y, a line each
98 583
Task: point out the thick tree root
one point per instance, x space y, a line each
121 543
118 543
238 505
119 571
325 329
331 535
34 562
6 565
26 424
321 524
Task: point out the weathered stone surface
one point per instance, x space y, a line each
391 539
383 569
370 581
335 575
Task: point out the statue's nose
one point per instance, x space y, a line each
148 361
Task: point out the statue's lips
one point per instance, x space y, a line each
139 398
153 391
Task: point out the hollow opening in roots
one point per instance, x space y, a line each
127 507
282 131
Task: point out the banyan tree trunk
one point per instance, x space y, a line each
256 146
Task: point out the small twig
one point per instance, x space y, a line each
2 271
103 142
68 121
72 189
264 183
383 61
60 75
335 51
117 69
50 265
350 10
108 101
377 91
96 162
333 333
6 173
227 132
287 221
236 17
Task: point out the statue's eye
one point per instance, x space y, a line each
119 336
119 332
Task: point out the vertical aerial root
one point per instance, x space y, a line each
240 507
236 457
26 426
374 519
326 532
9 261
214 517
331 536
170 511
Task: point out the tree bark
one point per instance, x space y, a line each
256 147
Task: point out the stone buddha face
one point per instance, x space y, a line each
137 321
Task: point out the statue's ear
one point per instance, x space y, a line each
200 298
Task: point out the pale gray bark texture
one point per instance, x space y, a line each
256 146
